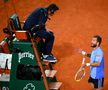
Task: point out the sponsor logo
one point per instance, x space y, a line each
29 86
25 54
5 88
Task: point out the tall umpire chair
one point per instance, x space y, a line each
48 77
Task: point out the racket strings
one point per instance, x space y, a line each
80 74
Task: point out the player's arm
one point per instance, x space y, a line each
95 64
85 53
98 59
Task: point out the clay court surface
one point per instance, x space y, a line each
73 25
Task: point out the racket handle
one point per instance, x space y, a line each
83 61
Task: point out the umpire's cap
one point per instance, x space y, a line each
52 8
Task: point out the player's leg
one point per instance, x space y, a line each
98 89
98 84
91 81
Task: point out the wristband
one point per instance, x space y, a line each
83 53
87 64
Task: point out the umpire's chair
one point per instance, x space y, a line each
14 24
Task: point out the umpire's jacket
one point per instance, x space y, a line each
37 17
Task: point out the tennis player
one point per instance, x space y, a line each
96 64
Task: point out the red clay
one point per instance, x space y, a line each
74 25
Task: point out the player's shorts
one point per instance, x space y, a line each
98 83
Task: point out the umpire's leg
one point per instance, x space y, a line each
49 40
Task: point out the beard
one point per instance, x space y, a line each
93 45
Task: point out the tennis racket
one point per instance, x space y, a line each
80 73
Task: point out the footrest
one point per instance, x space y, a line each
50 73
55 85
5 77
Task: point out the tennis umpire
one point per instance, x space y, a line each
36 23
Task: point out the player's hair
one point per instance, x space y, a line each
52 8
99 39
